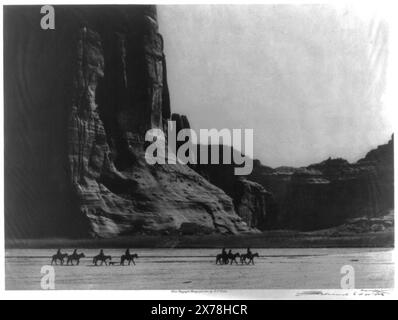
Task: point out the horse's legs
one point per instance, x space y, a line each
133 261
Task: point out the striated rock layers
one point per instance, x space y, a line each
117 190
252 202
103 73
328 193
319 196
78 101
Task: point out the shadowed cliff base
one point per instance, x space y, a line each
267 239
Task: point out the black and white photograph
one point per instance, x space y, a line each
221 150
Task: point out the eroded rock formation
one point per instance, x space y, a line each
328 193
94 86
78 101
251 201
129 196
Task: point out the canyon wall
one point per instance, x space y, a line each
94 86
78 102
319 196
328 193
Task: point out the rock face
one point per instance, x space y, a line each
78 102
328 193
112 89
132 196
319 196
252 202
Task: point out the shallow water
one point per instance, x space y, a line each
196 269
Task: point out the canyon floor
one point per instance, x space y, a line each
315 268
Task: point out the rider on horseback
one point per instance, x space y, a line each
101 254
224 255
127 253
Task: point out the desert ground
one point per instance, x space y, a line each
289 268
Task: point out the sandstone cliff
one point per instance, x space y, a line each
110 88
78 101
319 196
118 191
328 193
252 202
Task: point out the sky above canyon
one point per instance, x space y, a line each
310 80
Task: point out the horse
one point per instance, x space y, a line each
250 257
60 257
232 257
222 258
75 257
101 258
129 258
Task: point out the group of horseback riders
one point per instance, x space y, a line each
229 258
101 257
223 258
